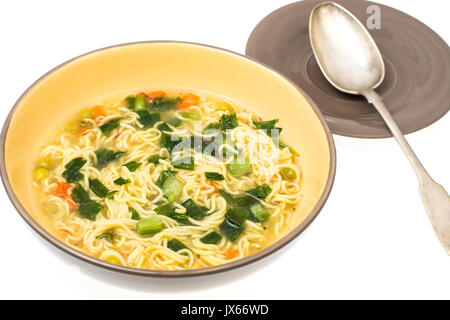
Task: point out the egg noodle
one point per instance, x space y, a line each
112 235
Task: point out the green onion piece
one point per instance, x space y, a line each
149 225
130 102
79 195
190 115
172 188
72 176
132 165
214 176
261 191
108 127
176 245
134 214
186 163
288 173
230 230
180 218
239 167
110 195
121 181
108 236
228 121
193 210
72 173
212 126
140 103
89 209
265 125
258 213
98 188
148 119
155 159
237 215
238 201
105 156
174 122
291 150
163 127
211 238
75 164
163 104
165 209
163 177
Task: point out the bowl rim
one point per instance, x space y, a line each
277 245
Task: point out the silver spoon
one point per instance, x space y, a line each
351 61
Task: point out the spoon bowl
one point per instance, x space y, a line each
346 53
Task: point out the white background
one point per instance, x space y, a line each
371 240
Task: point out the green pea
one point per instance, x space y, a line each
288 174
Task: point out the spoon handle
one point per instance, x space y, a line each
434 197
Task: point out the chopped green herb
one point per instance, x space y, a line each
239 167
163 127
108 236
134 214
72 173
75 164
121 181
148 119
214 176
110 195
176 245
228 121
261 191
174 122
155 159
132 165
108 127
172 188
211 238
140 103
130 102
163 177
230 230
190 115
186 163
212 126
163 104
258 213
149 225
105 156
79 195
237 215
165 209
238 201
266 125
89 209
193 210
98 188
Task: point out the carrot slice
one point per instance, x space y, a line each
98 111
62 188
155 94
230 254
188 100
70 201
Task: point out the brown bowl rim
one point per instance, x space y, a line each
167 273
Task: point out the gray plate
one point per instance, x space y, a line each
416 87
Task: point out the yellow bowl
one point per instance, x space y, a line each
74 84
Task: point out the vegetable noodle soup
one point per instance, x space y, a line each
168 180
